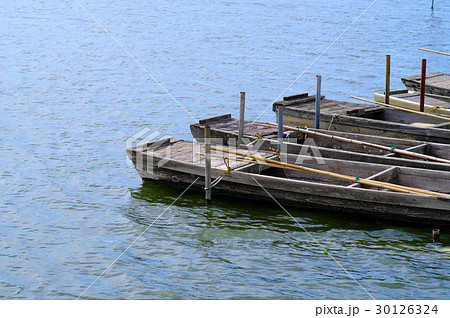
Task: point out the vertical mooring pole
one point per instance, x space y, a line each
422 85
432 4
318 84
208 165
388 79
241 118
435 235
280 127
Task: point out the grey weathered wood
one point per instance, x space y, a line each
436 83
301 100
422 148
385 176
331 148
297 117
314 190
214 119
365 119
294 97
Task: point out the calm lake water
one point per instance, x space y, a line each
70 97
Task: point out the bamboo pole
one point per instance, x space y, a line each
362 143
400 108
437 52
378 184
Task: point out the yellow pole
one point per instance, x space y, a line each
372 183
437 52
359 142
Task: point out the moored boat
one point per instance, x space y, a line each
181 163
224 129
436 83
364 119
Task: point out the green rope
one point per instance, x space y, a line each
394 147
357 178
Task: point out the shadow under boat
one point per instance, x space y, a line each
239 212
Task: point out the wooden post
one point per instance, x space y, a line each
207 165
422 85
388 79
241 118
432 4
318 84
435 235
280 127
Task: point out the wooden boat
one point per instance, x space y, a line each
225 130
435 83
364 119
180 163
411 100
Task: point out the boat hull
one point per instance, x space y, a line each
299 191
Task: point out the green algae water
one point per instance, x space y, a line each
71 97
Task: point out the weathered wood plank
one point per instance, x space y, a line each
331 148
435 83
293 97
299 117
214 119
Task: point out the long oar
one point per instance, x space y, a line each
359 142
372 183
401 108
437 52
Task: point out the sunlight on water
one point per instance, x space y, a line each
71 97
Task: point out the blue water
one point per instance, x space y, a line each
70 97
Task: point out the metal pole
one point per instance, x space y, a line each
422 85
388 79
207 165
280 127
436 235
241 118
318 84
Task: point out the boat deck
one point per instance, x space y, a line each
435 83
178 163
188 152
308 103
223 126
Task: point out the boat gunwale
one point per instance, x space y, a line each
327 186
